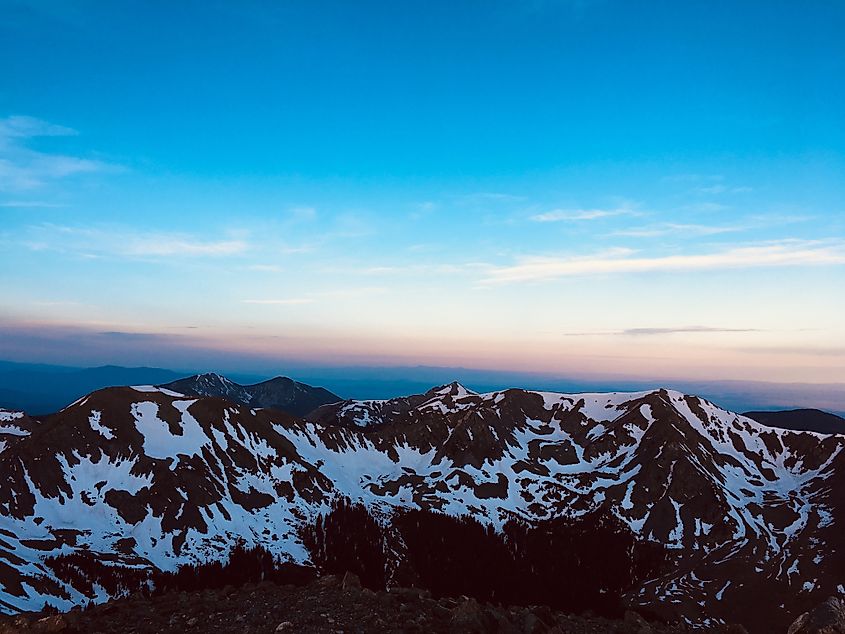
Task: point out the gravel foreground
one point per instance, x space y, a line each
331 605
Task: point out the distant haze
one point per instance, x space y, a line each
40 388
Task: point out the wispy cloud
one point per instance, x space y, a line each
424 247
479 198
23 168
293 249
173 245
423 209
352 292
637 332
26 204
559 215
352 225
441 268
289 301
26 170
126 243
265 268
706 207
683 329
622 261
723 189
694 178
302 213
138 336
815 351
54 303
687 230
23 127
678 230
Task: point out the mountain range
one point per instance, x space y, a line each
151 478
279 393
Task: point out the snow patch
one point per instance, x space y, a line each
159 441
149 389
97 426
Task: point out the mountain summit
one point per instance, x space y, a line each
279 393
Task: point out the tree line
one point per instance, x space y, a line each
573 565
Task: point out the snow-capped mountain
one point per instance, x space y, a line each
279 393
146 476
13 426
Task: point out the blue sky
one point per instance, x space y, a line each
584 187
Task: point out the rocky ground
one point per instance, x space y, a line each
330 604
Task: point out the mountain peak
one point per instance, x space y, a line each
278 380
213 377
453 389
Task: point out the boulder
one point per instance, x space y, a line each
351 582
544 613
637 623
527 622
468 617
409 595
827 618
56 623
328 581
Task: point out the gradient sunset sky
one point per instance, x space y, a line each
644 189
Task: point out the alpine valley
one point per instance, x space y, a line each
147 479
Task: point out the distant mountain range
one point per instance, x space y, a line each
42 388
279 393
801 420
145 477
